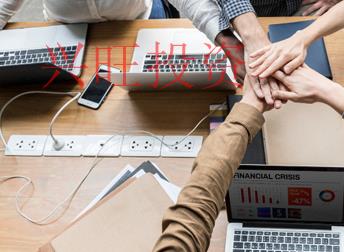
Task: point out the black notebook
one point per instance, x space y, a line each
316 56
255 153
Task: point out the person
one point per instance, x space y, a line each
240 15
204 13
289 54
187 226
308 86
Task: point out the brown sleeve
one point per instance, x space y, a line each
188 225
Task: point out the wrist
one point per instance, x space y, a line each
332 94
249 29
306 36
226 37
254 103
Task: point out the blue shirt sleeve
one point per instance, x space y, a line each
231 9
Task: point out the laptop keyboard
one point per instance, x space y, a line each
185 63
263 241
63 57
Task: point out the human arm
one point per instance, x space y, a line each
188 225
308 86
7 9
204 15
291 53
254 37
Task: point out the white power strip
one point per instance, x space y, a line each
91 145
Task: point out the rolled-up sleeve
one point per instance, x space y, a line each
188 225
231 9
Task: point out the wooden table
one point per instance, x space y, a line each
161 113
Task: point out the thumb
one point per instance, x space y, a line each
284 95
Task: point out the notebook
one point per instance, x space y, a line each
304 134
255 153
316 55
120 222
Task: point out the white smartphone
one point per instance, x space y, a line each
97 89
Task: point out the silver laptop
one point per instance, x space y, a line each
34 54
280 208
176 59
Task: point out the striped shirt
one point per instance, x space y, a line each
233 8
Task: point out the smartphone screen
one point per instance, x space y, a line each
97 89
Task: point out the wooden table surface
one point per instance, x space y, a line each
161 113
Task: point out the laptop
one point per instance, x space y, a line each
176 59
284 208
33 55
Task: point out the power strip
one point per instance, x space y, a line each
105 146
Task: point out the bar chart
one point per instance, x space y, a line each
261 196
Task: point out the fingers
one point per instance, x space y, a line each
268 62
277 64
260 52
284 95
258 61
256 86
265 87
322 10
311 9
279 75
292 65
283 88
274 87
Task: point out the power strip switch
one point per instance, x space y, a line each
103 146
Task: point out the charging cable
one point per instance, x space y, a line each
57 144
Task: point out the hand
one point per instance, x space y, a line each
303 85
233 49
318 6
250 98
263 87
287 55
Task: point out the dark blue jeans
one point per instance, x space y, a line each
158 10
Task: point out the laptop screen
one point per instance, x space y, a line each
288 194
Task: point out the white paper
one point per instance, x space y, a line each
105 190
171 189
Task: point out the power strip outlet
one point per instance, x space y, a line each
25 145
141 146
175 146
73 146
95 144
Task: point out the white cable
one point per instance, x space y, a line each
44 220
34 92
59 145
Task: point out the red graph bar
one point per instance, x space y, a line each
256 197
263 199
270 200
249 194
242 195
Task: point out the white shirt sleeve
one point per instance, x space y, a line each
7 9
204 15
